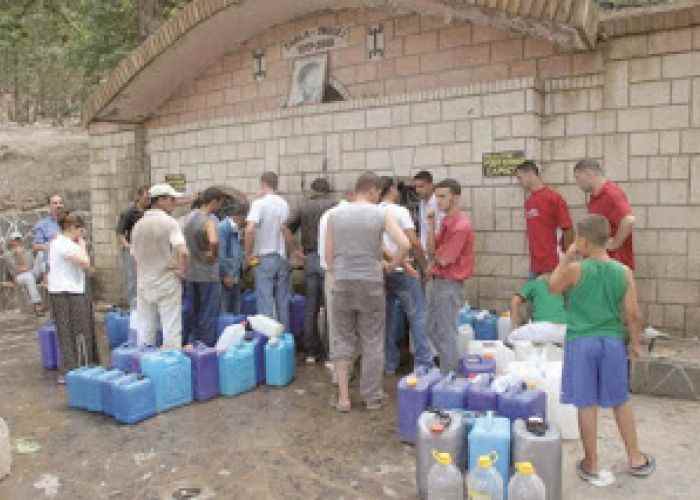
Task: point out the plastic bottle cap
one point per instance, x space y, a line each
525 468
442 458
488 355
505 314
484 461
412 381
437 427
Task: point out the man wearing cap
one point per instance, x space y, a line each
160 251
44 231
20 263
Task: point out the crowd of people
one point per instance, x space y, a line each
360 256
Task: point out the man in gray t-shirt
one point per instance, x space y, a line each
353 252
202 288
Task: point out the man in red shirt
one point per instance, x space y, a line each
545 212
608 200
452 252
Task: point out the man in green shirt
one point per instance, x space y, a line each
548 314
601 297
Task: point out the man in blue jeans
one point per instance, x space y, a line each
231 257
265 250
403 285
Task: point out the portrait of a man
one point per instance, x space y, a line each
308 80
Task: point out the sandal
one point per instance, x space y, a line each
601 479
340 408
646 469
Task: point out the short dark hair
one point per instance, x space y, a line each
450 184
367 181
67 219
424 175
528 166
386 184
595 229
270 179
196 203
588 164
211 194
320 185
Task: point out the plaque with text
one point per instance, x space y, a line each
314 41
177 181
502 164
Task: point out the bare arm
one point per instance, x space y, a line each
417 248
623 232
567 272
213 239
80 259
249 240
568 239
122 241
397 235
633 315
181 255
431 235
515 304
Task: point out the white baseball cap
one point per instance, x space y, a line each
163 190
16 235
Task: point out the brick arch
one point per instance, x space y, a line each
206 29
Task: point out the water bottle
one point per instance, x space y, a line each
484 482
445 481
526 484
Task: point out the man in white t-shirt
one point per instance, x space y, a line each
265 250
160 251
403 285
423 182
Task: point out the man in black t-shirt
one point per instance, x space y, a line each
127 221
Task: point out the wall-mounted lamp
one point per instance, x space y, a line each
375 41
259 64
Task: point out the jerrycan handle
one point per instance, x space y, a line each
444 420
473 358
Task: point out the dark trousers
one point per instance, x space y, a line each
313 283
231 299
75 329
201 303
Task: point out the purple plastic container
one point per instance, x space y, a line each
205 371
48 345
474 364
414 397
480 396
450 393
296 315
259 340
515 404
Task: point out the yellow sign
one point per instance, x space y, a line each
177 181
502 164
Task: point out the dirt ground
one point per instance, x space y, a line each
270 444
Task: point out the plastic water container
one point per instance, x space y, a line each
503 355
237 370
465 336
445 481
474 364
83 388
258 340
486 326
296 315
106 387
171 373
280 360
139 354
249 303
516 403
440 430
123 357
103 381
484 481
504 326
232 335
564 416
265 325
117 327
480 396
133 400
48 345
225 320
450 393
491 437
526 484
205 371
545 454
465 316
5 450
414 397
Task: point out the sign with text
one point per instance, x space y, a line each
177 181
317 40
502 164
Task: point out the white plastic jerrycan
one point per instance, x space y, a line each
445 481
267 326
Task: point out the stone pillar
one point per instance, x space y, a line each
117 168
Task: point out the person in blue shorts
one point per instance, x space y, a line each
601 297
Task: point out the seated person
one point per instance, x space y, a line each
20 264
548 313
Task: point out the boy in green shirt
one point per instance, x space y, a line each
548 314
599 291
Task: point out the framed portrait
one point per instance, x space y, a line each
309 78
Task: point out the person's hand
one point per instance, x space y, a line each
430 216
572 254
229 281
411 271
611 246
634 350
299 256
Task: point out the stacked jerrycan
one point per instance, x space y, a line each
117 327
237 369
504 326
249 303
445 431
481 397
133 399
484 480
526 484
445 481
540 444
106 387
490 437
495 349
258 341
280 362
205 371
171 374
296 315
103 381
48 345
564 416
414 397
450 393
123 357
474 364
485 326
225 320
517 402
466 316
83 388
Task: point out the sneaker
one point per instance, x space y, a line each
310 360
61 380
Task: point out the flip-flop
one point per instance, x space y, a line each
601 479
645 470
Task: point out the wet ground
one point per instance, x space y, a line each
269 444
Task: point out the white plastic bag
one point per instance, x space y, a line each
232 335
563 415
5 454
267 326
540 332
